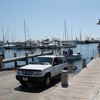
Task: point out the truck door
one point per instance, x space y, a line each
58 65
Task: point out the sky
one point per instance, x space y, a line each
46 18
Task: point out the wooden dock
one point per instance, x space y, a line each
84 86
22 58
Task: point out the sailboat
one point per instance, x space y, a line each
55 43
66 43
2 42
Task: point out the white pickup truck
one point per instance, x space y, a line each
42 69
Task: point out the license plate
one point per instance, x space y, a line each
25 79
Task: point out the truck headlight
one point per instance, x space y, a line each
37 73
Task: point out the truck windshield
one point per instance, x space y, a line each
43 60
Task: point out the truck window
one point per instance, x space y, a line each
64 59
55 61
59 60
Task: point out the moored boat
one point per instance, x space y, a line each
72 56
68 44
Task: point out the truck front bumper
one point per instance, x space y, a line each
29 79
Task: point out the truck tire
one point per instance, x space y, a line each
65 68
47 80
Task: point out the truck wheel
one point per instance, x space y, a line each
47 80
65 68
24 84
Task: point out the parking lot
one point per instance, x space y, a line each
10 88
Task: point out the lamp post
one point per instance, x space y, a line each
98 22
99 41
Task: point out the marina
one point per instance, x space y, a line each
49 50
83 49
82 86
13 57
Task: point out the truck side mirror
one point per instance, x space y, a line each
55 63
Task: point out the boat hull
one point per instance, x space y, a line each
73 57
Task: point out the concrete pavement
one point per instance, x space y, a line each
10 88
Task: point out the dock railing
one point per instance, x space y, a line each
21 58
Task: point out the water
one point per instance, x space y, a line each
87 51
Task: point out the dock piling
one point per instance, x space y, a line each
32 57
15 55
92 58
84 63
64 78
3 54
1 62
26 58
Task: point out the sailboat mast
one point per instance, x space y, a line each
80 35
25 31
14 36
3 34
8 34
72 33
67 34
65 29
